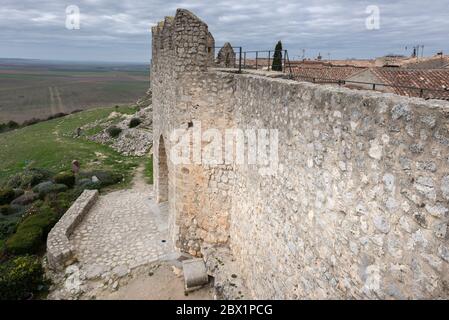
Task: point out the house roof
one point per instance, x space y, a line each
430 63
436 79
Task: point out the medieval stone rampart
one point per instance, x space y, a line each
358 206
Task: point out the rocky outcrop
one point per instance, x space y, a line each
136 141
131 141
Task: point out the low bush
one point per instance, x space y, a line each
11 125
134 122
61 202
31 121
105 178
45 219
25 199
29 178
8 210
50 188
7 227
35 208
56 116
67 178
20 277
26 241
18 193
114 131
32 232
5 209
6 196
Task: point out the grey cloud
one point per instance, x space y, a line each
112 30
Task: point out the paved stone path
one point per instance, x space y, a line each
125 229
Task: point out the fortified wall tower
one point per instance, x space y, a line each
359 204
185 97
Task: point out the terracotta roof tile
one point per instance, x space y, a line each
437 79
430 63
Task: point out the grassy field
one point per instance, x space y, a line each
38 89
51 145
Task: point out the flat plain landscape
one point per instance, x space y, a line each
37 89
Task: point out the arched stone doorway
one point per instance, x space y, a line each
162 172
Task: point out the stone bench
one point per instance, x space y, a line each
60 252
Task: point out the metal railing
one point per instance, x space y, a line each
373 85
257 59
263 59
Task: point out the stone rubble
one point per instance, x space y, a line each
136 141
131 141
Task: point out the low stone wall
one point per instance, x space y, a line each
59 250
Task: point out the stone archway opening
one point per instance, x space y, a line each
162 176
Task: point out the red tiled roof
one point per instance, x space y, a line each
429 63
437 79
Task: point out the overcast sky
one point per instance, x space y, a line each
120 30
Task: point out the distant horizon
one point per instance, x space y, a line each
105 31
76 61
148 63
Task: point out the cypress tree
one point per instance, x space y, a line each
277 57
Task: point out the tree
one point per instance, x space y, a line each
277 57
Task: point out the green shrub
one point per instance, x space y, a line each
26 241
32 232
134 122
18 193
277 57
7 210
35 208
29 178
45 219
6 196
11 125
114 131
106 178
35 176
7 227
14 181
67 178
20 277
61 202
53 189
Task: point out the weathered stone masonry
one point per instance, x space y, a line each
359 205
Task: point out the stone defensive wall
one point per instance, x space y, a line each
357 206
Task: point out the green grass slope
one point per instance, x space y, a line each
51 145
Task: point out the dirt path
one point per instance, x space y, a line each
52 101
61 107
161 281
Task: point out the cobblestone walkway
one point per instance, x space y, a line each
125 229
